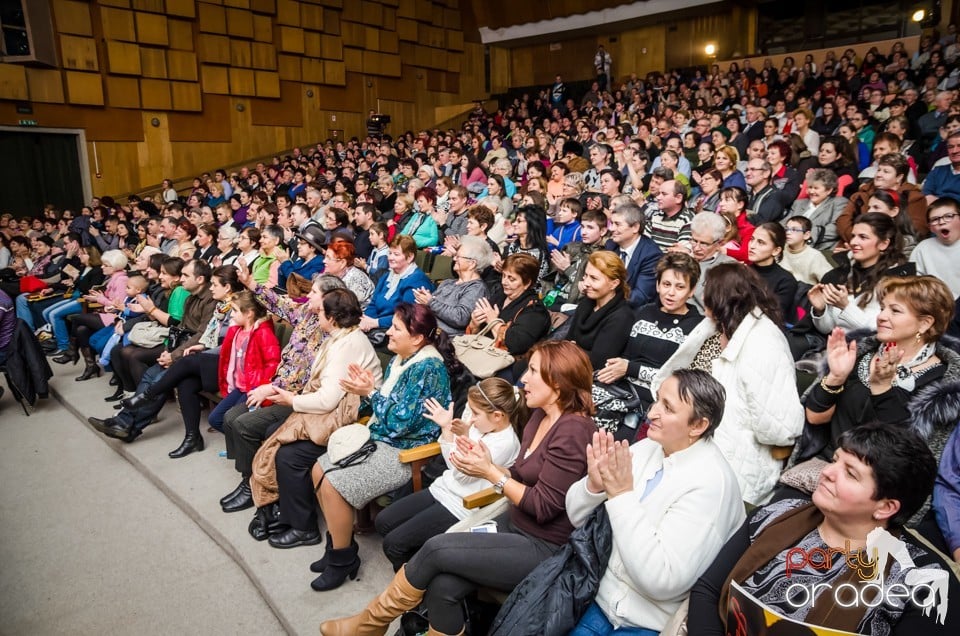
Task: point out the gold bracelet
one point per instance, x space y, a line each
826 387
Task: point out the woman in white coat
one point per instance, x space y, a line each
741 345
672 501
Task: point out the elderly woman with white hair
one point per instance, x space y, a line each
454 299
227 243
822 206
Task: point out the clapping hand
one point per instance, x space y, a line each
841 357
883 367
609 465
471 457
422 295
613 370
244 275
836 295
359 381
484 312
436 413
560 260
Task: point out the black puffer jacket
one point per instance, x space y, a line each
553 598
27 369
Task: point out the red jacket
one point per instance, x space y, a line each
262 356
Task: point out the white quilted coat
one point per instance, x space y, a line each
762 408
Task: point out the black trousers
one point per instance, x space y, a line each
408 523
451 566
244 432
298 502
130 362
189 375
84 326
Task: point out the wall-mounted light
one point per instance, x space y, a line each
240 108
309 92
155 122
710 49
918 15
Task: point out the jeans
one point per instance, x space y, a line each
23 310
595 623
230 400
56 316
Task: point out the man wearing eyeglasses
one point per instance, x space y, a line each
765 203
944 181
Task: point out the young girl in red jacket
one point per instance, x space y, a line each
249 354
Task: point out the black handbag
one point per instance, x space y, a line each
177 336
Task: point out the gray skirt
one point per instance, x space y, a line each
362 483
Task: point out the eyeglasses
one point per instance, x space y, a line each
694 243
945 218
794 230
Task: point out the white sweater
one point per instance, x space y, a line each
452 486
662 544
807 266
936 259
762 408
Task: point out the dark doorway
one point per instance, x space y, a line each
39 168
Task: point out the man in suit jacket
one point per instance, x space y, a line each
639 253
753 129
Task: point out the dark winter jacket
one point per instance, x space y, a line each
27 369
555 595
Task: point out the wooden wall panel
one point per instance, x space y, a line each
79 53
123 92
286 111
153 62
289 67
214 79
155 94
262 28
180 33
45 85
241 54
264 56
213 19
189 63
13 81
267 84
186 96
152 6
288 12
184 8
291 39
118 24
123 58
242 81
239 23
84 88
152 29
311 17
182 65
72 17
214 49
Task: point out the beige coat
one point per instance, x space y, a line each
320 409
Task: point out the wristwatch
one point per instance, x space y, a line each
498 487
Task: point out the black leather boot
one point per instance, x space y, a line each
92 369
192 442
321 565
70 356
341 565
241 501
115 396
233 493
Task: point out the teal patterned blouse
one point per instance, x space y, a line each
398 417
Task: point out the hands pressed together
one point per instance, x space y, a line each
609 465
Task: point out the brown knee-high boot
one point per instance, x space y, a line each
399 597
